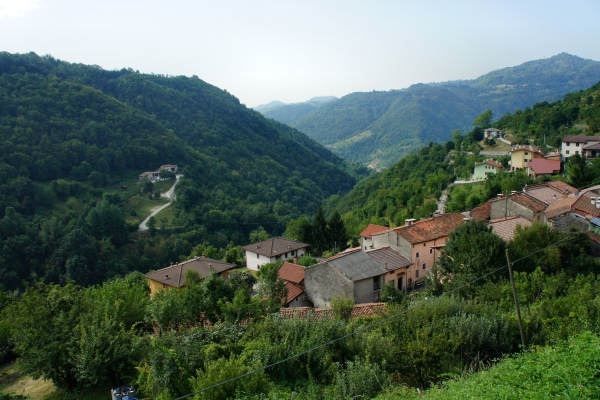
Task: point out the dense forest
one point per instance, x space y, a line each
72 133
381 127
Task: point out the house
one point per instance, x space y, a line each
271 250
542 166
581 145
293 276
366 236
482 212
505 227
152 176
521 154
168 167
485 168
550 192
397 266
554 155
354 275
419 242
522 204
492 133
173 276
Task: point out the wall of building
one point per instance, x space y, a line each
571 148
364 291
322 282
367 243
508 208
482 171
254 261
155 287
300 301
397 278
385 239
519 158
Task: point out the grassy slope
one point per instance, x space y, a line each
569 371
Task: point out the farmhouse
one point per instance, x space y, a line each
271 250
585 146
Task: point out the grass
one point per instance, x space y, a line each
140 205
499 146
569 370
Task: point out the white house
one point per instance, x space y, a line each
492 133
271 250
168 167
572 145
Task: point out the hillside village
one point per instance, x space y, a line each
403 256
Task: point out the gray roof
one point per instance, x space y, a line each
390 258
174 275
358 266
275 246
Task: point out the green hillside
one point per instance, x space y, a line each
72 134
288 113
381 127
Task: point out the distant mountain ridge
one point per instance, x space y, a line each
379 127
289 112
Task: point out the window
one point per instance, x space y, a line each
425 266
417 255
417 273
578 144
431 251
526 153
257 256
400 282
376 283
567 152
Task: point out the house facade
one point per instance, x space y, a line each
521 204
173 276
272 250
485 168
585 146
366 236
492 133
521 154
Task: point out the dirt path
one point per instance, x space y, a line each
169 194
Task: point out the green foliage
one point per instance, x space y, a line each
358 380
342 307
307 260
391 294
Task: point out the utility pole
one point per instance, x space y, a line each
514 290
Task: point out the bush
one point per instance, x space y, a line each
358 380
342 307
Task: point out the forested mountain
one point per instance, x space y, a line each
288 113
411 187
380 127
69 130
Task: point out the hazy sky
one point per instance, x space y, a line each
293 50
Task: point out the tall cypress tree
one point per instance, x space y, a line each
336 232
319 231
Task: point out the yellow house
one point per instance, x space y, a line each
520 155
173 276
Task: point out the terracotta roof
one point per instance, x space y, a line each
275 246
390 258
147 173
291 273
560 207
491 162
482 213
430 228
325 313
545 193
372 229
505 227
528 201
584 205
526 147
174 275
544 166
565 188
593 236
293 291
581 139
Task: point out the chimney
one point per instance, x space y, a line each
409 221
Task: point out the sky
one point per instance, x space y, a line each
291 51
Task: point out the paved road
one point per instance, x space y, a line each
169 194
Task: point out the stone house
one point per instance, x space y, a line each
585 146
272 250
522 204
173 276
293 276
419 242
366 236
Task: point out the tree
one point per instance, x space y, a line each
258 235
337 237
471 251
271 287
319 231
580 174
484 120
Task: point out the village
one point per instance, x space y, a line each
403 256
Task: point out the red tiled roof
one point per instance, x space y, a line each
593 236
581 139
544 166
505 227
275 246
430 228
482 213
293 291
291 273
373 229
565 188
584 204
326 313
493 163
559 207
528 201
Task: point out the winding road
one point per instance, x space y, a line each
169 194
